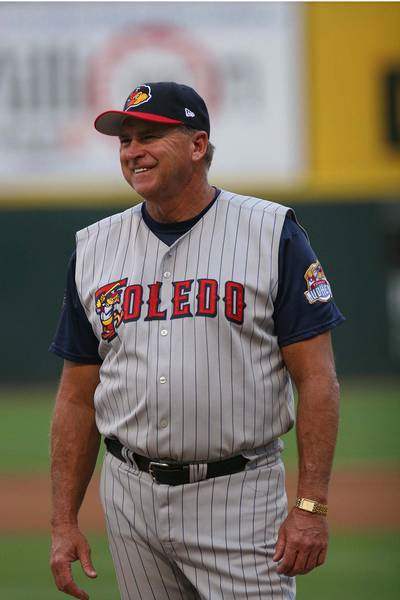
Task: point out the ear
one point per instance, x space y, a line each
200 142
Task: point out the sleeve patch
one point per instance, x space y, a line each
318 288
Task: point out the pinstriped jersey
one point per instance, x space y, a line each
191 367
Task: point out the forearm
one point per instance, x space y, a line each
317 425
75 444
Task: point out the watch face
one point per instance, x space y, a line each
311 506
307 505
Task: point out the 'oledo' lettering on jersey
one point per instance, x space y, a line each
116 305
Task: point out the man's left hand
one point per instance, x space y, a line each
302 543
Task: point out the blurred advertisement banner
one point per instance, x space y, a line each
63 63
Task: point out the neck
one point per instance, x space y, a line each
182 206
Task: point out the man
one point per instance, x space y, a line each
183 318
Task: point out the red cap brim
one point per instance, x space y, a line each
110 122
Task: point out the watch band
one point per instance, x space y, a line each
311 506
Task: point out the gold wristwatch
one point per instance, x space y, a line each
311 506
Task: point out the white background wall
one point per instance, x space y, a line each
63 63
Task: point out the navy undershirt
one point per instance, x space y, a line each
294 317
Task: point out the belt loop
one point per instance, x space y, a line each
128 457
197 472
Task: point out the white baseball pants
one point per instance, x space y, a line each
212 540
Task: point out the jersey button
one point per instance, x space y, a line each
164 332
163 379
167 274
163 423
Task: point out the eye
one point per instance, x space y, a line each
124 141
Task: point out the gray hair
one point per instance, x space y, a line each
208 157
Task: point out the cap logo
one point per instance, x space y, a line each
140 95
189 113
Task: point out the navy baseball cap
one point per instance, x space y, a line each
163 102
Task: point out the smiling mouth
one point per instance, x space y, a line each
141 170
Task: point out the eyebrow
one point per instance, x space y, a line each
143 131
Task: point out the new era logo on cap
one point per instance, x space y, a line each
162 102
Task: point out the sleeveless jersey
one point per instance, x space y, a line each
191 370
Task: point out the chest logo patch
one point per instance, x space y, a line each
318 288
107 299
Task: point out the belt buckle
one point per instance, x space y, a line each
158 465
176 469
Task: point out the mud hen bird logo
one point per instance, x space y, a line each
107 297
139 96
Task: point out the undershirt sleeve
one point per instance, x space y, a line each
74 339
295 318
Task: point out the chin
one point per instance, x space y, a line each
143 190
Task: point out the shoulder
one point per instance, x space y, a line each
254 204
292 230
108 224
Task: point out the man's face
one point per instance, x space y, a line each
156 160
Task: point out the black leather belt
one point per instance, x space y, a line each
176 473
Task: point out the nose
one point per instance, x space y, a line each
133 150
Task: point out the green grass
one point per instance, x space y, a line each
362 567
359 567
368 431
25 418
26 572
370 413
24 426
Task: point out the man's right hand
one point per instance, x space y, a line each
68 545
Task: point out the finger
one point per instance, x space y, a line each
72 589
299 564
322 557
86 561
279 548
288 560
64 581
312 561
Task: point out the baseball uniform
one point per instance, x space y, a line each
187 321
